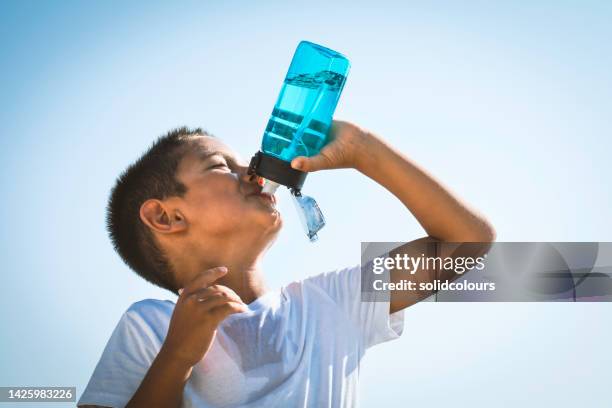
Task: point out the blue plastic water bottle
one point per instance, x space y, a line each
300 123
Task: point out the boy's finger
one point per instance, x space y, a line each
203 280
212 302
215 290
314 163
221 312
300 163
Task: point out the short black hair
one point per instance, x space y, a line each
153 175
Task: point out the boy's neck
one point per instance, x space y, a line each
247 281
244 275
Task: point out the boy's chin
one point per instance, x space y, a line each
274 220
268 218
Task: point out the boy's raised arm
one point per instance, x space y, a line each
442 214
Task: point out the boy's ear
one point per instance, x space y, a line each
158 216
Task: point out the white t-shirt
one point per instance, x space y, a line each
297 347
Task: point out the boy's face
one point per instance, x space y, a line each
222 200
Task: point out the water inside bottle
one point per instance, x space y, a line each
302 115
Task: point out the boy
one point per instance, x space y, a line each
189 218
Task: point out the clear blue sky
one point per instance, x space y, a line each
508 103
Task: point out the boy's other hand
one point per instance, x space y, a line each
348 143
200 308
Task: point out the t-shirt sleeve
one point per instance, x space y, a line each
372 319
125 361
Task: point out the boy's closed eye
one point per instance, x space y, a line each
222 161
217 161
217 165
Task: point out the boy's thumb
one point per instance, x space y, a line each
313 163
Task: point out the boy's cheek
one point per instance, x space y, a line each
216 219
222 208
